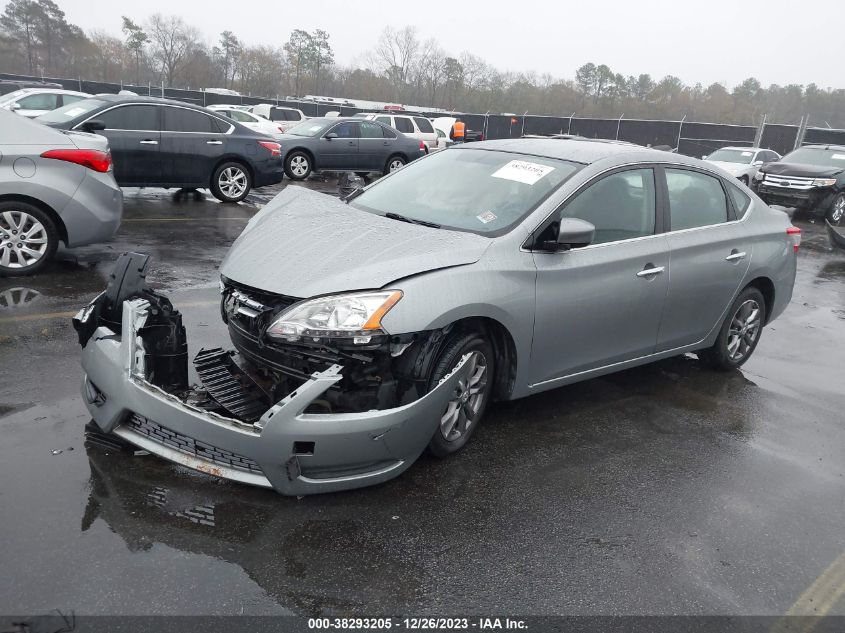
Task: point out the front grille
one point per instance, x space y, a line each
251 309
189 445
795 183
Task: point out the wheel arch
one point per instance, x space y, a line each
46 208
504 349
233 158
767 287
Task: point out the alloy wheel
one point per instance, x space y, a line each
23 240
232 182
299 166
396 163
467 400
744 330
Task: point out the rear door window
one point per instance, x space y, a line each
387 132
185 120
695 199
403 124
740 199
370 130
130 117
424 125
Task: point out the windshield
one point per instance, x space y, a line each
71 111
732 156
481 191
310 128
816 156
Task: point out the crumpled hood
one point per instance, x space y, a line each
800 169
304 244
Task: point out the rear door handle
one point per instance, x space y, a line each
651 270
735 256
214 142
149 141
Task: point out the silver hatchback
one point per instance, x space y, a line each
372 329
55 186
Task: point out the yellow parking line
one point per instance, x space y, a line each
817 600
46 316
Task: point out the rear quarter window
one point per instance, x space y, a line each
740 199
424 125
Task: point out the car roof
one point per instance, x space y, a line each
838 148
143 99
746 149
585 151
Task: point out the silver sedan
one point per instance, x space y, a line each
55 186
386 325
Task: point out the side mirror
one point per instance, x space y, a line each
575 233
15 106
350 185
757 163
704 157
330 136
92 126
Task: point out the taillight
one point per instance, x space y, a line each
90 158
422 146
275 148
795 233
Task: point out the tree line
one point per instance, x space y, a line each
37 39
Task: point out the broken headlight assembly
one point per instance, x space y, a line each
356 316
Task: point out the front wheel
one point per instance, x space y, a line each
298 166
28 239
470 397
394 163
231 182
739 334
837 210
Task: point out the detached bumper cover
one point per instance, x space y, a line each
290 451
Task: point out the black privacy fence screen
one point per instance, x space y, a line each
686 137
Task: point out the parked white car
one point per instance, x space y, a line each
417 127
250 120
33 102
443 140
742 163
285 117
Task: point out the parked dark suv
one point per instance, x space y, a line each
165 143
810 178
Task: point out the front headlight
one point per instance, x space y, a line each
759 175
824 182
355 316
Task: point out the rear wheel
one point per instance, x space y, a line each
231 182
393 163
740 332
471 396
837 210
28 239
298 166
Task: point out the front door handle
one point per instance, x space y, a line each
649 271
735 256
149 141
214 142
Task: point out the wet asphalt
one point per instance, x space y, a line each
667 489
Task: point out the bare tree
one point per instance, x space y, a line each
397 51
19 22
136 41
228 52
171 39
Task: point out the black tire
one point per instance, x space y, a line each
231 182
720 356
23 225
836 212
469 412
363 174
393 163
298 165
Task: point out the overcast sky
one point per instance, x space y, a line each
776 41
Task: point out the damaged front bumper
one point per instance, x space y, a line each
293 452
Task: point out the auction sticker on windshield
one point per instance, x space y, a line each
523 171
838 156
